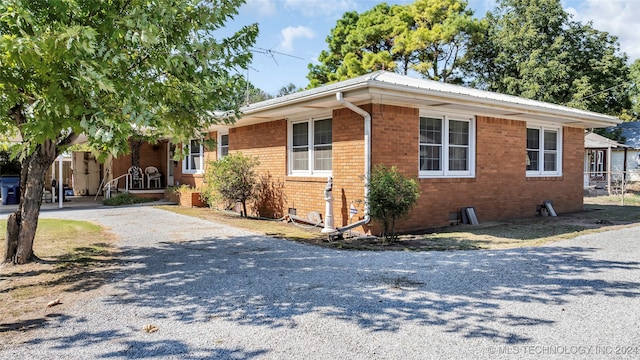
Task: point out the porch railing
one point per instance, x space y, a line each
614 182
113 184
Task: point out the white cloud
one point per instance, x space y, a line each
289 34
322 7
261 7
617 17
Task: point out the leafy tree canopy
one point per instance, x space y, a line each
251 94
109 69
634 89
533 49
429 37
290 88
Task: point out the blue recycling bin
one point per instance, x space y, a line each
10 189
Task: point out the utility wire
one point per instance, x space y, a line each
272 53
605 90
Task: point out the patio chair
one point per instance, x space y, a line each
154 175
137 177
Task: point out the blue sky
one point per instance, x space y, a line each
299 28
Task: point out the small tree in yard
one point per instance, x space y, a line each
391 196
232 178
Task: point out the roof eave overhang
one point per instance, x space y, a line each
538 111
372 91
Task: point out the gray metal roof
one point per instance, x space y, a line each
387 87
631 132
595 141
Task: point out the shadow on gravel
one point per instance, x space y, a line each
133 349
31 324
260 281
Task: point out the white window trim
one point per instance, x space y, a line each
186 161
311 171
220 135
559 145
445 173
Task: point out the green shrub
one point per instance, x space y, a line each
232 178
391 196
125 199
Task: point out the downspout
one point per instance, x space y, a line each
367 160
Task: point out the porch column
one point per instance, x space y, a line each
609 170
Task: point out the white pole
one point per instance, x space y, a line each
609 174
60 186
328 214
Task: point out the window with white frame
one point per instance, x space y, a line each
194 160
544 151
447 147
310 147
223 145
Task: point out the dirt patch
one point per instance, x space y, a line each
600 214
77 259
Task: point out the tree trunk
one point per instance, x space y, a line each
135 145
22 225
13 230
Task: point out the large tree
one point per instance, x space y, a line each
429 37
109 69
533 49
435 44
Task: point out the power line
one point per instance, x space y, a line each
272 53
602 91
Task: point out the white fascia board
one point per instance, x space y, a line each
502 102
381 83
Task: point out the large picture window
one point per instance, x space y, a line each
447 147
311 146
544 146
194 160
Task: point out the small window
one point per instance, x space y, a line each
311 144
446 147
300 147
194 159
322 145
223 145
543 151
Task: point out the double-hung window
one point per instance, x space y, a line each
310 150
447 147
223 145
194 160
544 151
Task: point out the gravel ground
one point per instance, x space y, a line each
216 292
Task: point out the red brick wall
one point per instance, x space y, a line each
268 142
499 190
150 155
195 180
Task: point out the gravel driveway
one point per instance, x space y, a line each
217 292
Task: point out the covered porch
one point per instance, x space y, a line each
600 174
153 173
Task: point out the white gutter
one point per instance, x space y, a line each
405 87
367 159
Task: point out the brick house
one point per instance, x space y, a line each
500 154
